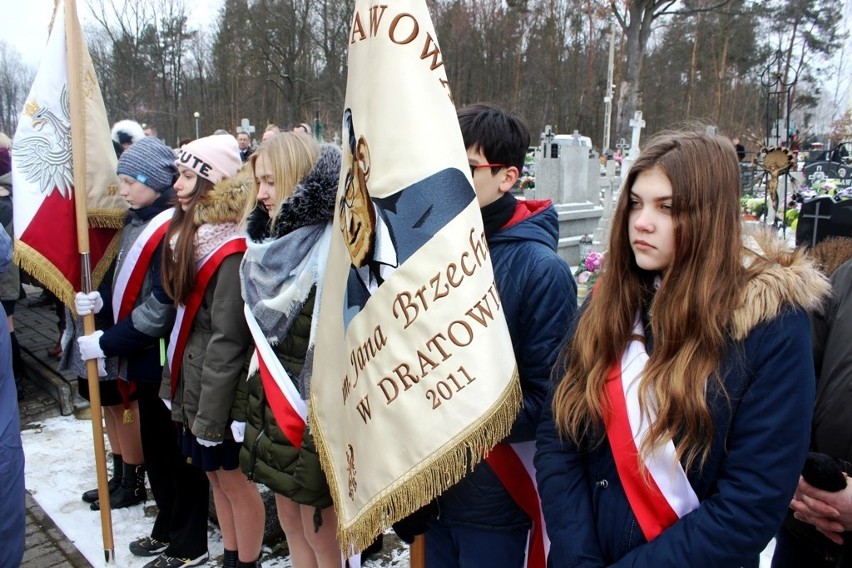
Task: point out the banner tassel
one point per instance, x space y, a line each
421 487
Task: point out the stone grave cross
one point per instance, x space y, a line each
637 124
621 146
247 127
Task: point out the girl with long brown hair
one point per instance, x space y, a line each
680 425
209 345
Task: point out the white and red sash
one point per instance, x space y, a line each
185 315
290 411
663 496
513 465
130 278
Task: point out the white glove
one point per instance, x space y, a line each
238 429
86 304
168 403
207 443
102 367
90 346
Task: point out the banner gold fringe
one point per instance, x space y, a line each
107 218
34 263
434 476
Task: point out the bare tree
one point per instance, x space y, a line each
15 80
636 18
284 61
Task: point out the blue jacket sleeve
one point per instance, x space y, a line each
766 450
548 308
5 250
565 498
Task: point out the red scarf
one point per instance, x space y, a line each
185 316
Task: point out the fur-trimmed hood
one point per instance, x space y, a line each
312 201
779 278
226 202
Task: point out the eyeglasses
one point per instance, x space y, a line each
474 167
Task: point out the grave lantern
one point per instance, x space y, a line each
585 244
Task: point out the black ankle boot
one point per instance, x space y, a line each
255 564
230 559
132 490
113 484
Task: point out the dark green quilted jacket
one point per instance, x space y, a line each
267 456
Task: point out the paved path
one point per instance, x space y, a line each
46 545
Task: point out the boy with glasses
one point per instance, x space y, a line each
483 520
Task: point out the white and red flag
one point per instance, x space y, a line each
43 166
414 375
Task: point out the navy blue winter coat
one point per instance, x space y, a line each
136 338
758 449
539 299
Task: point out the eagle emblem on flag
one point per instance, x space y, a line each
44 156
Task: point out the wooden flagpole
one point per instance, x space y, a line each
417 552
74 45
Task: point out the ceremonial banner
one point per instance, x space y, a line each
414 375
43 180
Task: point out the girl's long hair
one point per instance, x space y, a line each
290 156
178 267
691 311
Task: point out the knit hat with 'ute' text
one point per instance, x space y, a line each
213 157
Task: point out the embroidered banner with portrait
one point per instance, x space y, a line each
414 374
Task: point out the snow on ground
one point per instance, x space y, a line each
60 467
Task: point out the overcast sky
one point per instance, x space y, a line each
24 23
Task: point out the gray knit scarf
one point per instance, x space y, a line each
277 278
284 262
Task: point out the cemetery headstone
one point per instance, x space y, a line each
821 218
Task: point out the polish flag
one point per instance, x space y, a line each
43 166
